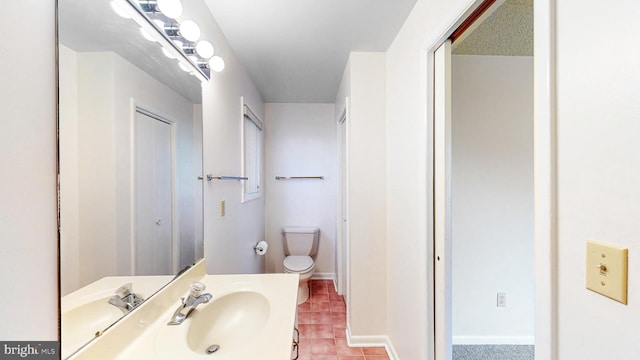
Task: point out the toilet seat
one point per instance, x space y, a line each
298 264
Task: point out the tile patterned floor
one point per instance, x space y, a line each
322 321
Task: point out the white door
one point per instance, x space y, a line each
442 200
152 194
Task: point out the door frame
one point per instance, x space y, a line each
138 107
342 251
545 189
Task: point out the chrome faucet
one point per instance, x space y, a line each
195 298
125 299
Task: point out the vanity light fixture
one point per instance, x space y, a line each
216 63
157 20
172 30
159 23
170 8
190 30
204 49
194 59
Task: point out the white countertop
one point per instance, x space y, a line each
250 317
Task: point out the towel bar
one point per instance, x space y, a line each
298 177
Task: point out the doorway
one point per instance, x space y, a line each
483 186
153 189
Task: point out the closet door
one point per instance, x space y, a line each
152 194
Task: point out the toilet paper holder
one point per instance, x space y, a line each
261 247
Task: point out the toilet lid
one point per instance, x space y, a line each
298 263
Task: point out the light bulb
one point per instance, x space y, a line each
194 59
216 63
170 8
190 30
117 7
204 49
147 35
184 67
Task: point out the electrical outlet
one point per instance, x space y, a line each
501 300
222 208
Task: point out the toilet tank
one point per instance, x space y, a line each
300 240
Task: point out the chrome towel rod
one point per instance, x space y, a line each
211 177
298 177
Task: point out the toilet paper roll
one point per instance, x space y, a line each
261 247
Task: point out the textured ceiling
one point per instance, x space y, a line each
507 31
296 50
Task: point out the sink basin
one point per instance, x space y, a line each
231 321
249 317
82 322
87 310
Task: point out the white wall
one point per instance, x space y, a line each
28 212
105 90
492 201
595 98
228 240
364 84
597 79
598 84
97 189
408 215
301 141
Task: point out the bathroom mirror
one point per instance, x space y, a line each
130 154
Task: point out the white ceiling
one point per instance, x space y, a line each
296 50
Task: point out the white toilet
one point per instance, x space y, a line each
300 243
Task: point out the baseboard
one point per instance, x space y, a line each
493 340
372 341
323 276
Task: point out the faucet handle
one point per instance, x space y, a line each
124 290
196 289
116 300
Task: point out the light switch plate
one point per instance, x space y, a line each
607 270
